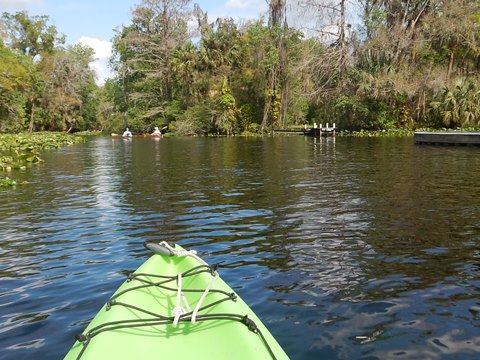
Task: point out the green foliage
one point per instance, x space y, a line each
248 77
68 95
6 182
20 150
173 111
44 86
246 117
13 84
216 115
197 120
368 114
31 35
394 132
373 20
225 120
458 106
351 112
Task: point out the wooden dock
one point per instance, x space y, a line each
448 138
315 131
321 130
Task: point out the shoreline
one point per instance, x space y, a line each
19 151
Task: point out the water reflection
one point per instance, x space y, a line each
347 248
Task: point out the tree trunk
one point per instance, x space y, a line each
269 100
453 47
341 40
283 74
277 73
283 104
32 113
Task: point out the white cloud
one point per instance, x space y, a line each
239 4
238 9
103 50
254 5
18 3
102 71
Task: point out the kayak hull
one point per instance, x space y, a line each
137 321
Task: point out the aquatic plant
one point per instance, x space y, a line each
7 182
378 133
17 151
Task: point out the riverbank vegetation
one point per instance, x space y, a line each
365 65
18 151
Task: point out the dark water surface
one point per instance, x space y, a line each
346 248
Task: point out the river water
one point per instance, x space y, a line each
346 248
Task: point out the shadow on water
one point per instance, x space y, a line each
346 248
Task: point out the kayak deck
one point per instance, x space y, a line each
158 313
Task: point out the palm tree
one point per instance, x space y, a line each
458 106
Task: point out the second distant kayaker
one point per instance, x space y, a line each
156 131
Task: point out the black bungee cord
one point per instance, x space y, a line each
158 319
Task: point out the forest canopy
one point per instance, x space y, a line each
398 64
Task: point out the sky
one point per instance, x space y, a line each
92 22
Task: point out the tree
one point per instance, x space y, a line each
276 89
35 39
146 50
185 75
455 27
108 116
31 35
458 106
66 96
14 81
248 81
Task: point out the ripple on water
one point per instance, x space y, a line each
346 248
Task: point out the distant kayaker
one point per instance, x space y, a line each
156 131
127 133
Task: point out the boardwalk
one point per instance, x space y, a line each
321 130
448 138
315 131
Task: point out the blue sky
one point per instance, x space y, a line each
91 22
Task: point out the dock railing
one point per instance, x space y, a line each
321 130
314 130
